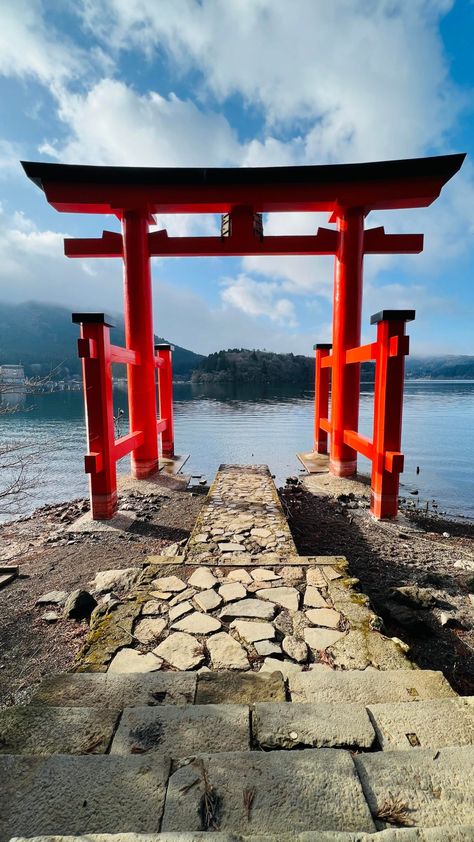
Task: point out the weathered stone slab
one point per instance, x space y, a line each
287 668
368 686
231 591
81 795
432 723
251 632
171 584
203 579
115 580
286 597
429 834
116 691
207 600
313 598
129 660
253 608
267 648
227 653
312 726
239 576
290 789
437 787
36 729
197 623
177 611
181 651
360 649
324 617
148 629
320 639
241 688
52 598
261 574
183 731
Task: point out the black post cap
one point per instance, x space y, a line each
392 316
322 346
164 346
92 319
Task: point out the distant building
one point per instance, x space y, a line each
12 375
12 385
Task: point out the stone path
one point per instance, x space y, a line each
243 691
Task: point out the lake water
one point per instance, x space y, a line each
265 425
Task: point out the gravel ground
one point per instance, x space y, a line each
330 516
50 558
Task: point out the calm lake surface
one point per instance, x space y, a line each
265 425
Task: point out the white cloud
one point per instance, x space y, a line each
30 47
112 124
363 79
259 298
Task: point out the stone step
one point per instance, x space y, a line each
292 726
432 723
425 787
267 792
80 795
118 691
430 834
369 686
179 732
36 729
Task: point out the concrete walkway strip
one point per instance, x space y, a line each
287 726
432 723
64 795
267 792
179 732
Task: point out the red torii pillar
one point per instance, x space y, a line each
139 336
347 314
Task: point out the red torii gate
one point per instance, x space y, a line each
347 191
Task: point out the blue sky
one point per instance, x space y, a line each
240 83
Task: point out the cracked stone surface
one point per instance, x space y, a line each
180 732
312 725
328 787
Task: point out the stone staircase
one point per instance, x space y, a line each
334 737
326 755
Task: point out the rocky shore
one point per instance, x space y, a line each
418 573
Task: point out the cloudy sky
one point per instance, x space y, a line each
240 83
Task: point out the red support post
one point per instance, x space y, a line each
165 393
139 336
94 348
346 335
321 398
387 460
